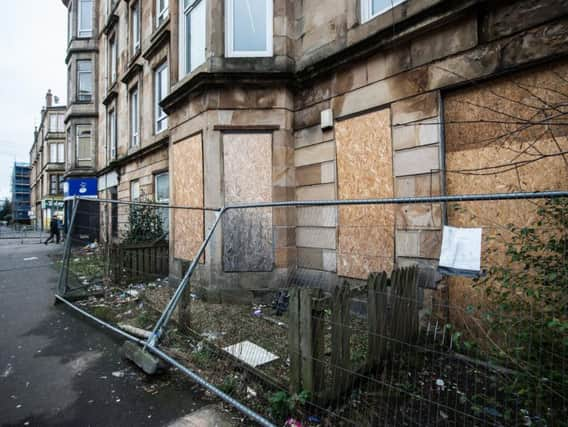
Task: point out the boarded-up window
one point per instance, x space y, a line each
502 136
247 233
187 182
364 170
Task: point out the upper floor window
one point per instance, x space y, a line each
134 121
84 80
83 147
56 123
112 59
249 27
135 26
69 148
372 8
192 35
161 11
70 22
85 19
160 91
111 132
56 152
56 184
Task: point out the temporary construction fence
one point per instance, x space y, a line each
25 234
383 336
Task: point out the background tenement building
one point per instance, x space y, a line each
47 160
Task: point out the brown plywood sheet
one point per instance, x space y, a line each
247 233
187 182
364 170
495 124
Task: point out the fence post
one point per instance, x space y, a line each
294 340
404 316
64 273
340 335
377 307
306 341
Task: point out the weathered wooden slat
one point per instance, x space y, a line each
294 340
306 340
377 317
340 340
318 327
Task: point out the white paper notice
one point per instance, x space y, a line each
461 251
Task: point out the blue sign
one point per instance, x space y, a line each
82 187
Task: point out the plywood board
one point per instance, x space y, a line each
364 170
247 234
496 144
187 183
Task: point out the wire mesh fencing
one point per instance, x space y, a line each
21 233
353 323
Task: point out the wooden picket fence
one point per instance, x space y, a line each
139 261
329 373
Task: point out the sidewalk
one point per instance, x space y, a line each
58 369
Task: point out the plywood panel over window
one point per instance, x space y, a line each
364 170
503 136
247 234
187 182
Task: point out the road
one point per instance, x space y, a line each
56 368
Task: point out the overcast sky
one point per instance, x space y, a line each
32 60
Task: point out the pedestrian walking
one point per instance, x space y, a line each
53 230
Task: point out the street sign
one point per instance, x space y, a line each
83 187
54 204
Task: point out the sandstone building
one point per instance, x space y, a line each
47 165
211 102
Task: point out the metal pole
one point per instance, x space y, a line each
407 200
164 356
167 313
384 201
63 274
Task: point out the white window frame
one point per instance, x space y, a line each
85 32
135 26
134 184
56 152
69 140
229 33
61 152
56 123
112 136
183 45
113 59
53 152
134 110
70 23
161 81
367 9
90 73
156 198
77 139
161 15
53 127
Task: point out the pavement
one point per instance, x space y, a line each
59 369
